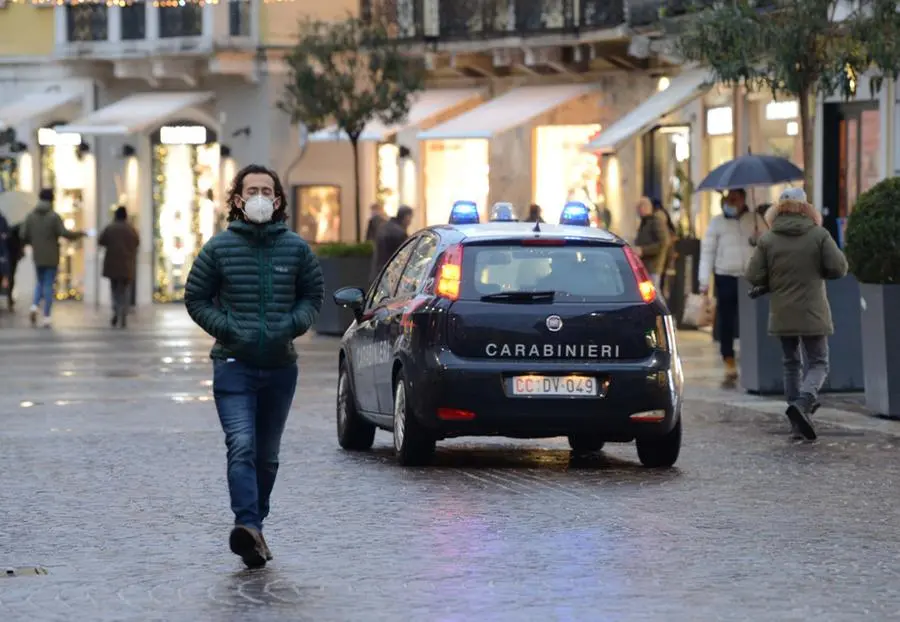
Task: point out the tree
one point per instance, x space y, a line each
797 48
350 73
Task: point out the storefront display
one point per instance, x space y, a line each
389 177
8 174
563 170
62 161
667 167
186 164
455 170
318 213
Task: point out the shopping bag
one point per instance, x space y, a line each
698 311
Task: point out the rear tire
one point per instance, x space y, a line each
354 433
660 452
585 442
413 445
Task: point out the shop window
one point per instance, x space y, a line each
563 170
134 21
184 20
239 18
62 169
318 213
455 170
87 22
389 177
9 174
667 162
186 164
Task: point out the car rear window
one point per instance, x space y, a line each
574 273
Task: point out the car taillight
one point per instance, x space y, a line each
449 274
644 282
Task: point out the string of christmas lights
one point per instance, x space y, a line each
120 3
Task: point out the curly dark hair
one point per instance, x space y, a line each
237 189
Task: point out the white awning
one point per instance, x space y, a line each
682 90
135 114
427 105
510 110
33 106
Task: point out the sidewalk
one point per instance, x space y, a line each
703 376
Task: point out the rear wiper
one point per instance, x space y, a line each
519 297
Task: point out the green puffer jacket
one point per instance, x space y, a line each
269 289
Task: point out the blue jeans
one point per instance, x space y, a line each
253 406
43 288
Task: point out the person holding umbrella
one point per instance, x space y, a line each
724 253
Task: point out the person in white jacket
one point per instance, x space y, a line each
724 253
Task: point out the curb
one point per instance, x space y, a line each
832 416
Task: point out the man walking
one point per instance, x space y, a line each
5 264
792 262
254 287
42 229
121 242
653 239
726 248
376 220
391 236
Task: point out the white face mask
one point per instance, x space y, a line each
259 209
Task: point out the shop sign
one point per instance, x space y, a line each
182 135
48 137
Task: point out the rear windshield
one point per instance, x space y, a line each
574 273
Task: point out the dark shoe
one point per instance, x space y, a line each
266 551
246 543
798 413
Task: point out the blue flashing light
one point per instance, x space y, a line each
464 213
575 213
503 212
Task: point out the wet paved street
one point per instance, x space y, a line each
113 479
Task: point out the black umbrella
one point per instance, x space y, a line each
751 170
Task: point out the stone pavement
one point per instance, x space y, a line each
113 480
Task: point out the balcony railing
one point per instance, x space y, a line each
180 21
134 21
239 18
87 22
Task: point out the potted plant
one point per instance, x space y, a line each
873 230
343 265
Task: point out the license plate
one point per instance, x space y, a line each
567 386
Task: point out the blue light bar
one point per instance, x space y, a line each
575 213
464 213
503 212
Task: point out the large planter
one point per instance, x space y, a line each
340 272
760 355
685 279
881 347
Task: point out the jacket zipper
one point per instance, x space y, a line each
262 298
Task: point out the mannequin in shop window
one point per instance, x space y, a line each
121 242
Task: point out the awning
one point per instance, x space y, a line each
135 114
510 110
682 90
427 105
33 106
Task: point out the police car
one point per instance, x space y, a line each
513 329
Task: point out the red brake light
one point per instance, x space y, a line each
644 282
543 242
449 273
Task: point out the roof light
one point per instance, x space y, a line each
503 212
575 213
464 213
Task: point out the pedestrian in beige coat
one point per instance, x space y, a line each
792 261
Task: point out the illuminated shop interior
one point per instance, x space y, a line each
318 216
63 158
456 169
185 187
9 173
563 170
667 157
389 177
720 149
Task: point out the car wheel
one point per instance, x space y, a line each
660 451
585 442
413 445
354 432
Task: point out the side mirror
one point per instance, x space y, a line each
350 298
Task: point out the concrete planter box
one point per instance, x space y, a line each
760 355
340 272
881 347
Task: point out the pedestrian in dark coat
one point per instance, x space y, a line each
792 261
16 250
121 242
376 220
5 264
653 239
254 287
391 236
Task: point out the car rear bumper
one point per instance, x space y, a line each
641 399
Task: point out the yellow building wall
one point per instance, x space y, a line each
279 19
26 30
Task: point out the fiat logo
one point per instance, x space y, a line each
554 323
